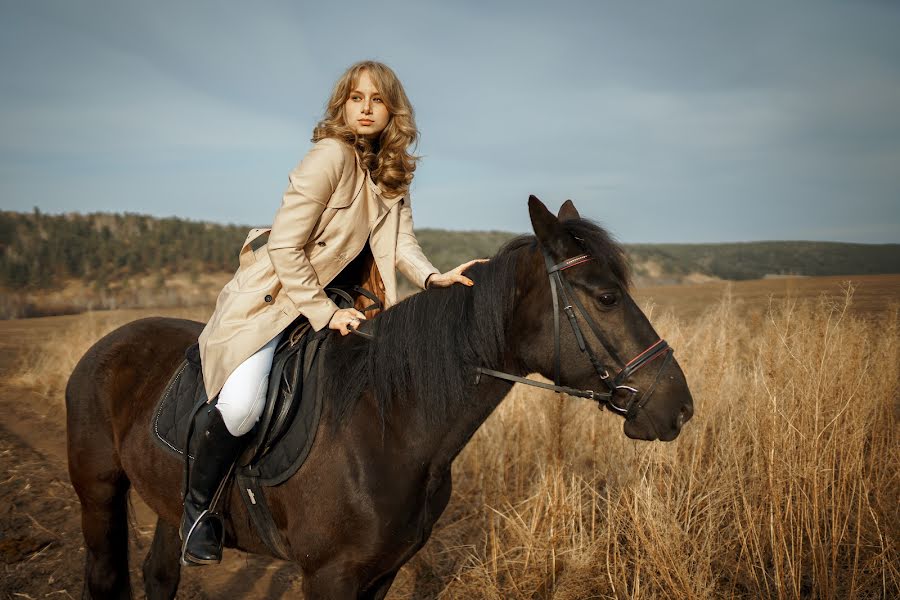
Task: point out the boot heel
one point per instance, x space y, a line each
206 519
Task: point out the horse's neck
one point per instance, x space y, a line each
437 444
445 440
489 393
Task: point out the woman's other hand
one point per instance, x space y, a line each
345 318
454 275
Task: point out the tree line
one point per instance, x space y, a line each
40 251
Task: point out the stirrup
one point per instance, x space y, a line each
187 560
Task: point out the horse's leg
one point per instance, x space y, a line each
102 488
438 499
333 581
104 524
379 589
162 567
339 581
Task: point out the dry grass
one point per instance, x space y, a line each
45 366
159 290
872 294
784 485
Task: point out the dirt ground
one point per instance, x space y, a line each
41 548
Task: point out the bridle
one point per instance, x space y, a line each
560 289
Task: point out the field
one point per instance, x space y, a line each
784 485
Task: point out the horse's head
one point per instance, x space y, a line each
598 339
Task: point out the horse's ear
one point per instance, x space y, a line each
568 211
544 223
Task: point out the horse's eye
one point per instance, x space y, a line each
608 299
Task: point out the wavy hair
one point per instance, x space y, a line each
387 158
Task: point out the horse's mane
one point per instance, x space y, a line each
424 347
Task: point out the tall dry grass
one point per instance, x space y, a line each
45 366
784 484
159 290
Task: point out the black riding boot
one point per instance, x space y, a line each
215 452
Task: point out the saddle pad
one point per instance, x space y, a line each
172 416
185 391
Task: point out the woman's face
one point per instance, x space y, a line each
364 111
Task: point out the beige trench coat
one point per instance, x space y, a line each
329 211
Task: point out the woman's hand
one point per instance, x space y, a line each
343 318
454 275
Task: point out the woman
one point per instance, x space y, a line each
346 218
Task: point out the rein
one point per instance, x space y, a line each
376 304
561 289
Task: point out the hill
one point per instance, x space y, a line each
42 254
755 260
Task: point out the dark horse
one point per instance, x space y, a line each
398 410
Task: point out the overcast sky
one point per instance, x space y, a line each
665 121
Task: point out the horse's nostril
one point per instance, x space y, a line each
683 415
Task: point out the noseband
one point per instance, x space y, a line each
560 289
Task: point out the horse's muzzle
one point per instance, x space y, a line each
644 426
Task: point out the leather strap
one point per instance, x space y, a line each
555 320
559 286
376 304
557 388
632 411
642 359
594 329
258 509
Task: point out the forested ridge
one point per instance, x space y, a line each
39 251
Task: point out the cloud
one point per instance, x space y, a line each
697 121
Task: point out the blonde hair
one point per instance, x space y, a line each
387 158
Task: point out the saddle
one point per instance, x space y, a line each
281 440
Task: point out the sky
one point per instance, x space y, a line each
679 121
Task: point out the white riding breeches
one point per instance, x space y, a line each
243 396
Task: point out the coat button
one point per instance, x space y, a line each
268 298
321 243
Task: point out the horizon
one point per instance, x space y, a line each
464 231
691 123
